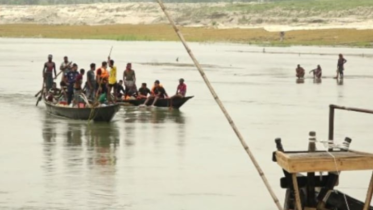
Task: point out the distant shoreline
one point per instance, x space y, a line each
163 32
274 16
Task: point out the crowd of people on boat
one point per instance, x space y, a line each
101 84
317 72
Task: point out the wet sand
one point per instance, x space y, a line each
187 159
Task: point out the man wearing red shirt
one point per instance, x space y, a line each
78 86
181 89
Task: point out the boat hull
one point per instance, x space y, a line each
176 103
99 114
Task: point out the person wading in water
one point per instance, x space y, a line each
299 72
340 66
317 73
48 69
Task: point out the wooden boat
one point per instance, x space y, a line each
176 103
310 176
309 191
103 114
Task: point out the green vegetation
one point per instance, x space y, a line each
333 37
290 4
37 2
320 5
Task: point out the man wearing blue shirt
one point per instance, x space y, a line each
71 77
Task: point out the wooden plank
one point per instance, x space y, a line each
296 192
282 159
313 162
368 199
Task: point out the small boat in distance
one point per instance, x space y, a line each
175 103
97 114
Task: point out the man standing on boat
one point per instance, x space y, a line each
48 69
71 78
65 66
112 77
91 82
129 77
102 78
78 86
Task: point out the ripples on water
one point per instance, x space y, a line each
162 159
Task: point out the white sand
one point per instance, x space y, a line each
185 14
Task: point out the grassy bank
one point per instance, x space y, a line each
331 37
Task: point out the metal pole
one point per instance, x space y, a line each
353 109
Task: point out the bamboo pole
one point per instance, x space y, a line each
218 101
369 194
296 192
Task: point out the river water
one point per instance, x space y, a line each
161 159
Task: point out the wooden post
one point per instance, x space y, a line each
290 191
311 202
296 192
346 144
330 183
331 124
369 194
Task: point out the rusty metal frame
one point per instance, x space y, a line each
332 109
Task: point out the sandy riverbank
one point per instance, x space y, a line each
214 15
163 32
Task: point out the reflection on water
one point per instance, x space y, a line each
49 135
317 81
103 141
299 81
153 115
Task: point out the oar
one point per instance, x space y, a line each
110 51
37 94
42 91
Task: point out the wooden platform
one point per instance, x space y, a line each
297 162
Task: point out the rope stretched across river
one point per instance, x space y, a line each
218 101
